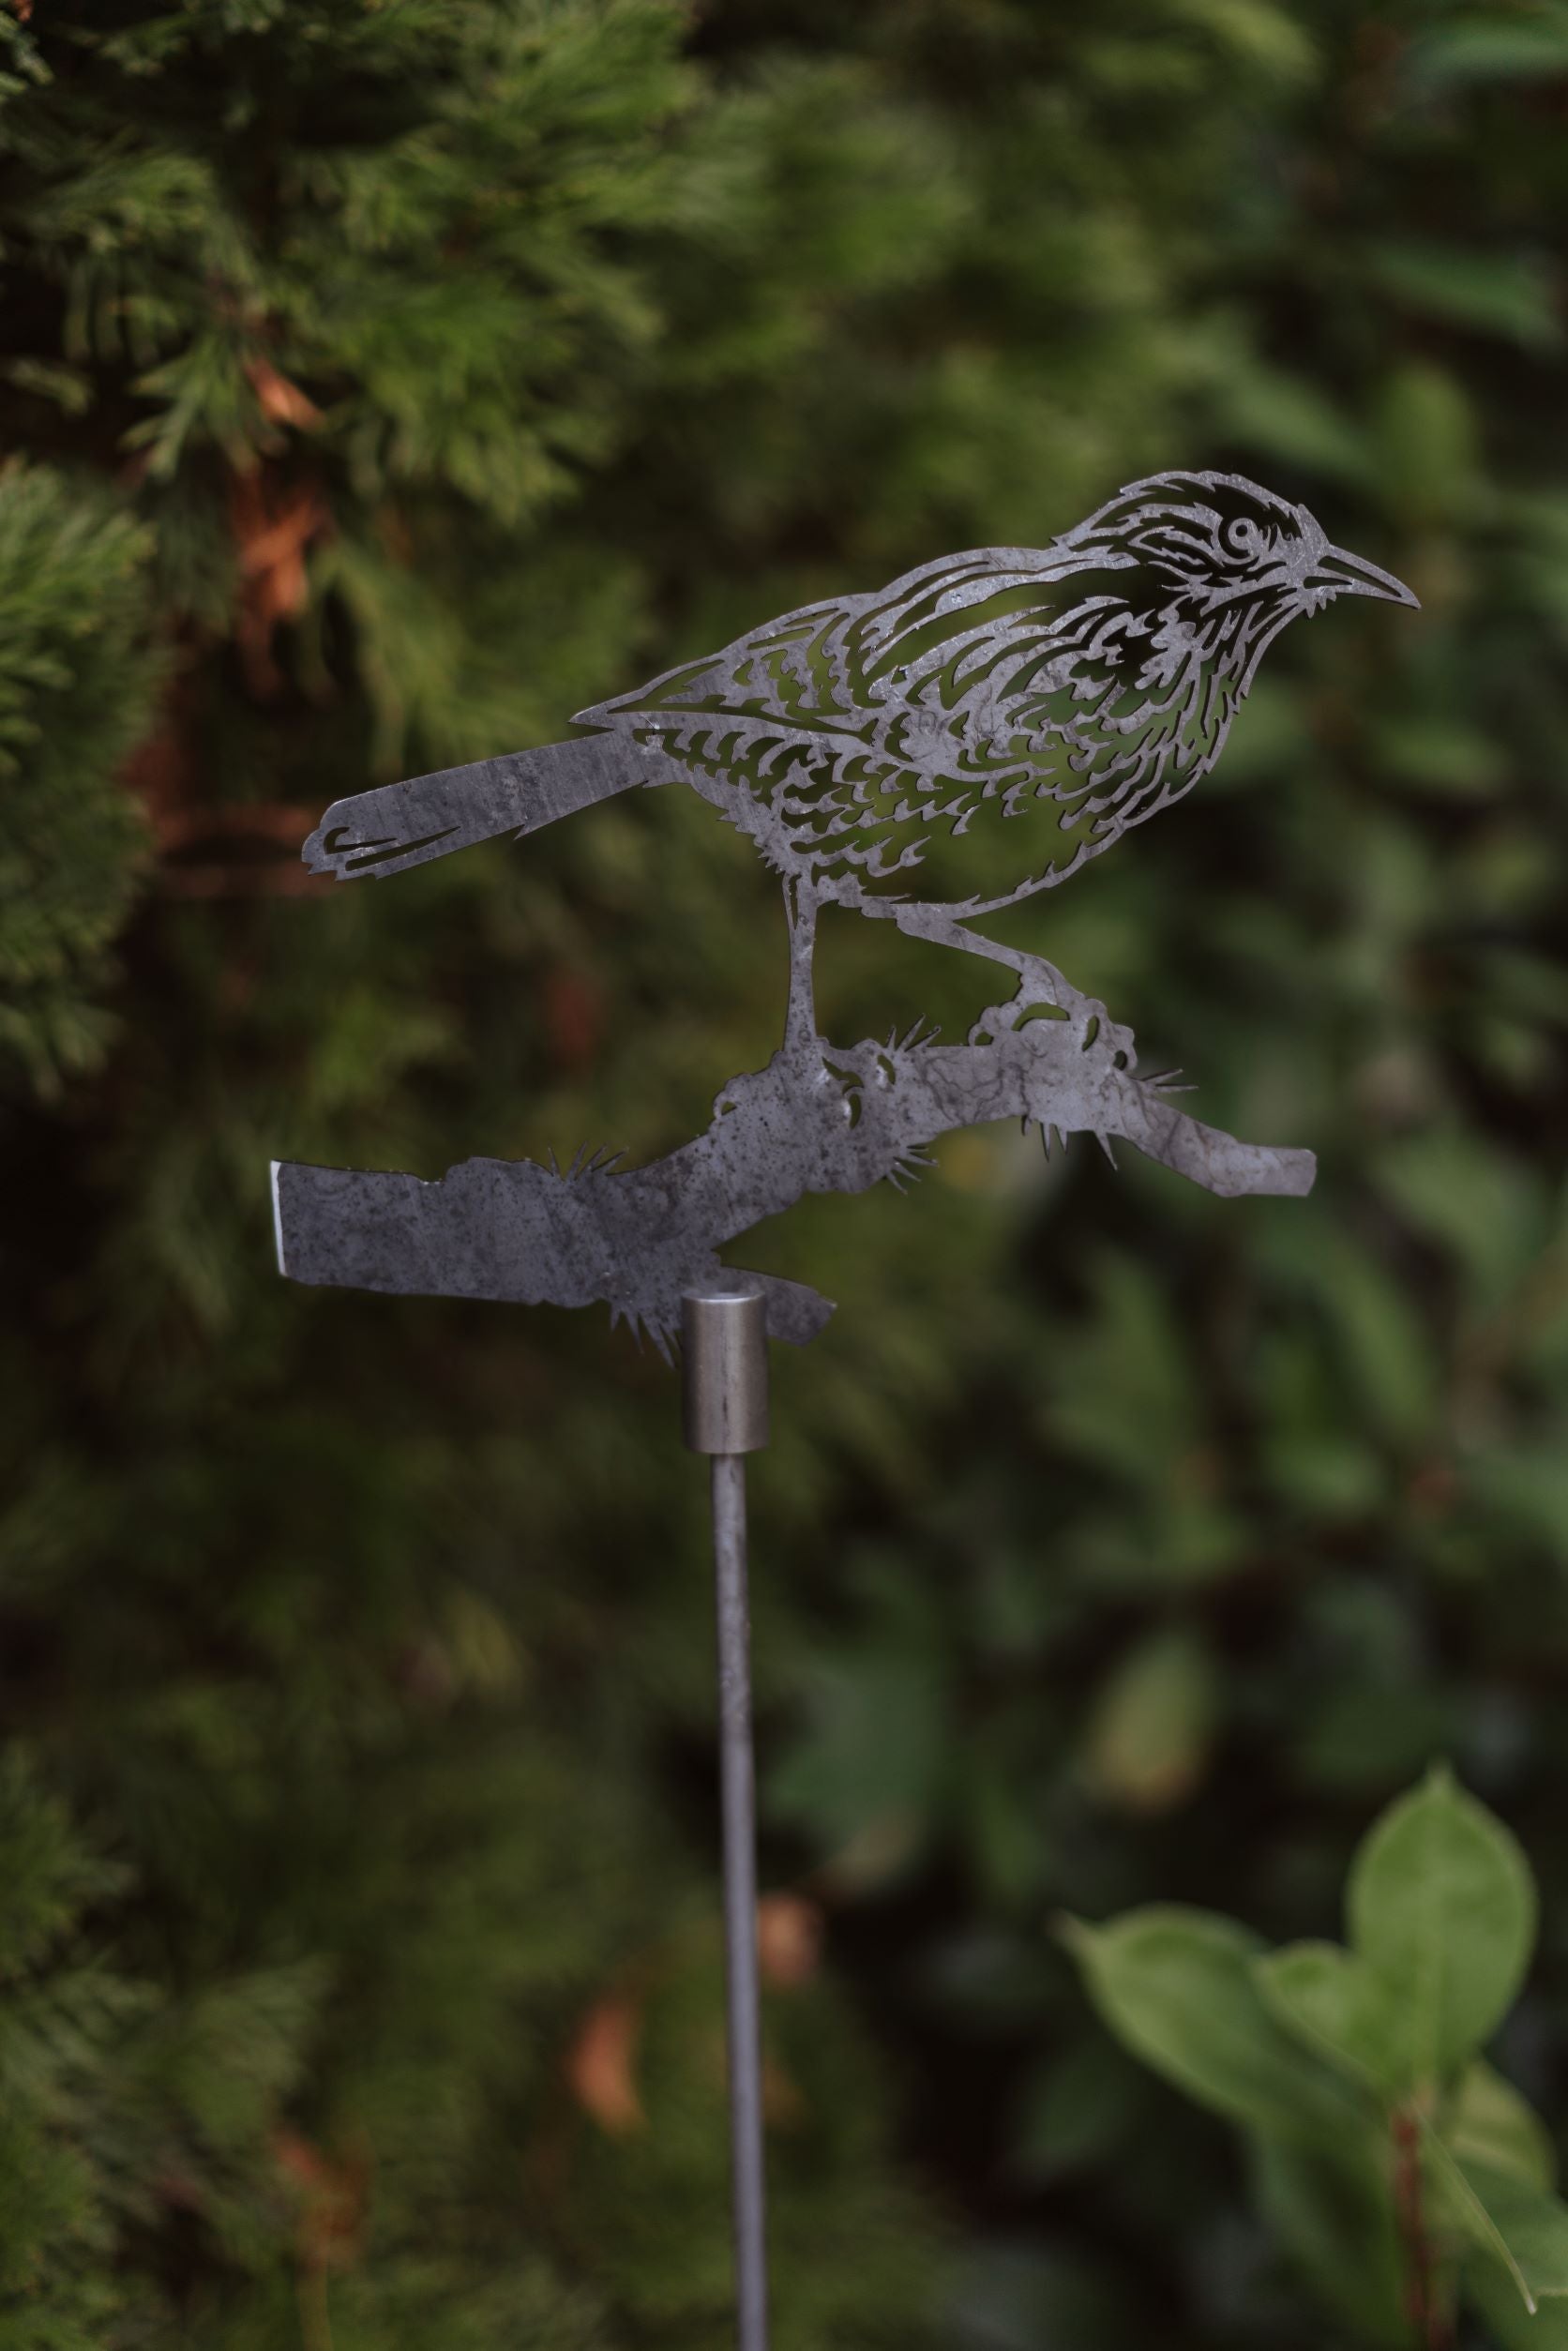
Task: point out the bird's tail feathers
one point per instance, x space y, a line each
373 833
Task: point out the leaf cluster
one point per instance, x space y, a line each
1395 2163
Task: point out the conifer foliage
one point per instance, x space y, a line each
382 382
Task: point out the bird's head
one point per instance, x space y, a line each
1226 551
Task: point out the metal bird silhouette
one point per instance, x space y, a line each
900 752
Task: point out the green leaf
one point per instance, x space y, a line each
1523 2227
1288 417
1149 1737
1335 2004
1076 2110
1441 1909
1509 294
1489 2122
1501 49
1436 753
1475 1200
1384 1349
865 1775
1490 2291
1177 1987
1263 36
1524 1486
1427 445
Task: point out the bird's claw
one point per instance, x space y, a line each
1089 1024
1108 1035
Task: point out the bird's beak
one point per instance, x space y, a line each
1336 573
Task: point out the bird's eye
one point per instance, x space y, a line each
1242 537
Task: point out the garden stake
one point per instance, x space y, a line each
865 744
725 1399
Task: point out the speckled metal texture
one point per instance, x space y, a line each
927 755
828 1120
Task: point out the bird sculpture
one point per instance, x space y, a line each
995 718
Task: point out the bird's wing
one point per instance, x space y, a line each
864 734
839 724
831 669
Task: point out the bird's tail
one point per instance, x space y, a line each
385 831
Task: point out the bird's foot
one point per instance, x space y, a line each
1088 1022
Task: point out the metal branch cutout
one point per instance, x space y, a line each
926 756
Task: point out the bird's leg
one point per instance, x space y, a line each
800 1019
1041 985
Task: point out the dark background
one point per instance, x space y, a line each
383 383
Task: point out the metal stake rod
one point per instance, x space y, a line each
725 1399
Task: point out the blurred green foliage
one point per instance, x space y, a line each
382 384
1398 2167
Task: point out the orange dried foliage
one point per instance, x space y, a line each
273 521
280 401
789 1939
334 2197
600 2067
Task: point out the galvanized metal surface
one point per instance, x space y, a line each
927 756
742 1997
1076 689
1011 711
724 1368
815 1120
